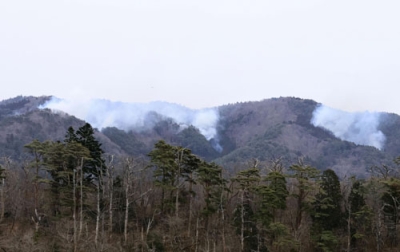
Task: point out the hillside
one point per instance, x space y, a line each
281 128
21 122
268 129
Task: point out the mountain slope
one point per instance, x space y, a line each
281 128
21 122
268 129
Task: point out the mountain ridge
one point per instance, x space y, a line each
265 130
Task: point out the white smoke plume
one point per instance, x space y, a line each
137 116
357 127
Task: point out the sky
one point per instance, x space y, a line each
344 54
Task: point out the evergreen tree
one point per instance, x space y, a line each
277 184
70 136
162 158
360 215
95 165
2 173
244 216
272 197
305 187
36 148
330 194
210 177
62 161
173 166
327 215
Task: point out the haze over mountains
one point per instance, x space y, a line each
286 128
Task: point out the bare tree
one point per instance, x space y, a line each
110 176
7 163
99 188
74 209
2 199
128 177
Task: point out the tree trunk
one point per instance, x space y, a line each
223 222
36 182
81 200
3 183
378 234
2 200
190 205
197 235
111 195
349 229
299 214
242 223
126 212
110 217
180 155
98 214
177 201
74 210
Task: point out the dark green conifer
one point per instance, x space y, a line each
327 214
244 216
94 166
173 165
360 216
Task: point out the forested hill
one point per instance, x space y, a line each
265 130
256 196
281 127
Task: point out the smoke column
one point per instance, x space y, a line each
358 127
138 116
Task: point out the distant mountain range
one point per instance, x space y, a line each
230 135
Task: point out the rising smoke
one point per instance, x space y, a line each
358 127
138 116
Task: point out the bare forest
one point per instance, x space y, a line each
70 196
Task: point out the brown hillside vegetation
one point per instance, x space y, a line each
280 128
266 130
274 187
176 201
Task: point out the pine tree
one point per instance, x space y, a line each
173 167
36 148
271 198
244 216
62 161
210 177
162 158
277 184
305 177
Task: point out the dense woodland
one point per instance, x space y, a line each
70 196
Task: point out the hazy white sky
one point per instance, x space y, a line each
345 54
